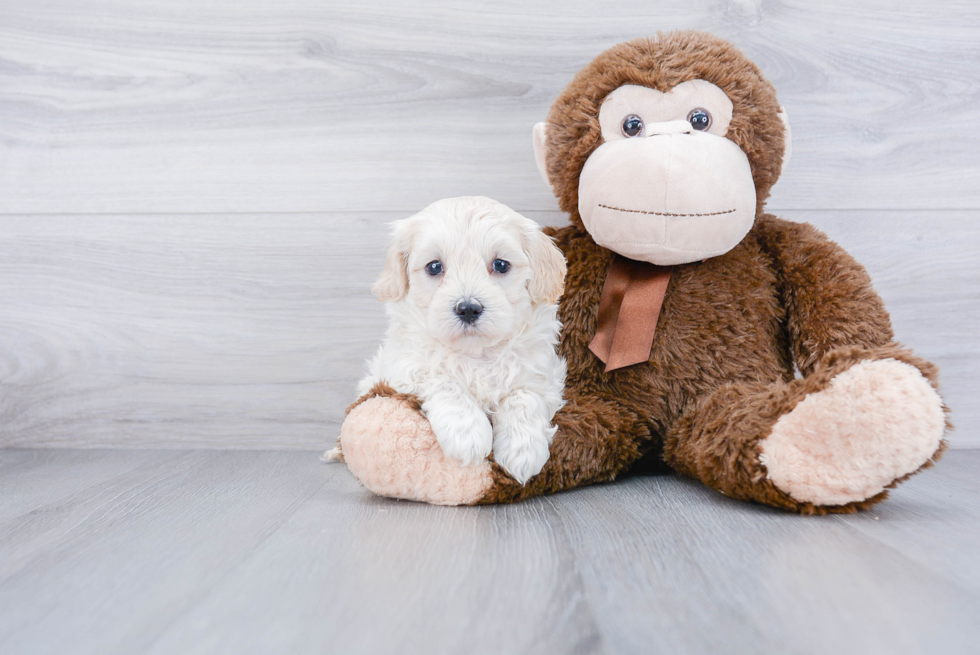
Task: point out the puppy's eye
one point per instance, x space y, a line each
434 268
632 126
500 266
699 119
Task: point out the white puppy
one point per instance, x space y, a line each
471 287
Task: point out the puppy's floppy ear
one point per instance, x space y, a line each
392 284
547 266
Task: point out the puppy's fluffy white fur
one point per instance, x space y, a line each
493 384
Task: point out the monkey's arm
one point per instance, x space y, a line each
597 439
390 447
828 295
864 416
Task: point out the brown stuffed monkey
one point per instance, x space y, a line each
746 351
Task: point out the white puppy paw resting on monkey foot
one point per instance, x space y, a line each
521 438
461 427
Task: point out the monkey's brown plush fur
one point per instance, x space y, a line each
732 327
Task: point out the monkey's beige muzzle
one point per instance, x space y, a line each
671 197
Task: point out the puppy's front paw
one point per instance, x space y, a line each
463 434
521 449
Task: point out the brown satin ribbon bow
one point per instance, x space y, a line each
628 311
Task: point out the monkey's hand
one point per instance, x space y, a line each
390 447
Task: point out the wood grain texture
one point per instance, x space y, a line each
161 285
247 552
711 575
305 105
251 331
238 331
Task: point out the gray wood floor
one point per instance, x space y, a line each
229 551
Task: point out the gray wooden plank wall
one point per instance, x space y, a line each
193 195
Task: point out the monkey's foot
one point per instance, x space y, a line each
874 424
389 446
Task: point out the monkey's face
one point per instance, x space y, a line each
666 186
665 149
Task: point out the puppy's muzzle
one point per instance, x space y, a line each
468 310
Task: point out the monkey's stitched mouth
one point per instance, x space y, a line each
640 211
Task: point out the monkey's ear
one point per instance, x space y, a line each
392 284
787 139
547 267
540 132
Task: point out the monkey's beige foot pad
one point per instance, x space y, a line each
391 449
875 423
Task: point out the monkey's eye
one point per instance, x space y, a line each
500 266
699 119
632 125
434 268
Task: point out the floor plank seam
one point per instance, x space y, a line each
553 503
201 597
867 534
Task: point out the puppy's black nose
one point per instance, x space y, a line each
468 310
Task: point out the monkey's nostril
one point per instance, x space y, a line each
468 310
